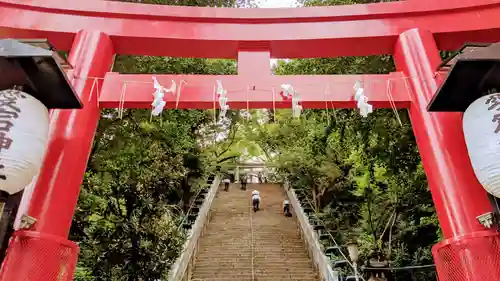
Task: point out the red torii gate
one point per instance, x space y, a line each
412 31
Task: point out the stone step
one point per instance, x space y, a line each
278 270
258 262
236 238
257 252
241 245
225 234
260 279
260 257
242 267
248 248
204 257
244 263
243 275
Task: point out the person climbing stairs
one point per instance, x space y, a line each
240 245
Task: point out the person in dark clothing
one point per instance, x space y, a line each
286 208
226 184
243 183
255 200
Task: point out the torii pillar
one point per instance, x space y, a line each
44 252
470 252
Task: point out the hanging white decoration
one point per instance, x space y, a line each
223 101
222 97
223 111
24 129
296 106
481 125
364 107
159 103
288 90
358 90
362 101
220 89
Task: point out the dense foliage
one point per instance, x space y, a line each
363 177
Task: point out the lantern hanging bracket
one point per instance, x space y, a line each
486 219
27 222
36 69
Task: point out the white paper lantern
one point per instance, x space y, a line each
481 125
24 127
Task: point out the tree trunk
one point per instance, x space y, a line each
315 199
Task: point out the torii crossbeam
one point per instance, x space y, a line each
256 89
328 91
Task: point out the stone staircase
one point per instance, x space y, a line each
240 245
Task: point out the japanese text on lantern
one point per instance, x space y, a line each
494 102
9 111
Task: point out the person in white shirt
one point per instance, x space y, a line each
255 200
286 208
226 182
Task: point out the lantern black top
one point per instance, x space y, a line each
37 72
473 73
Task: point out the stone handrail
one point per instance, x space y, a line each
310 238
181 270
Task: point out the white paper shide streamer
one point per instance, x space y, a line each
159 103
288 92
296 106
24 127
481 125
222 97
362 101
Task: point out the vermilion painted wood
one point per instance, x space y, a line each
219 33
198 92
253 88
70 140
